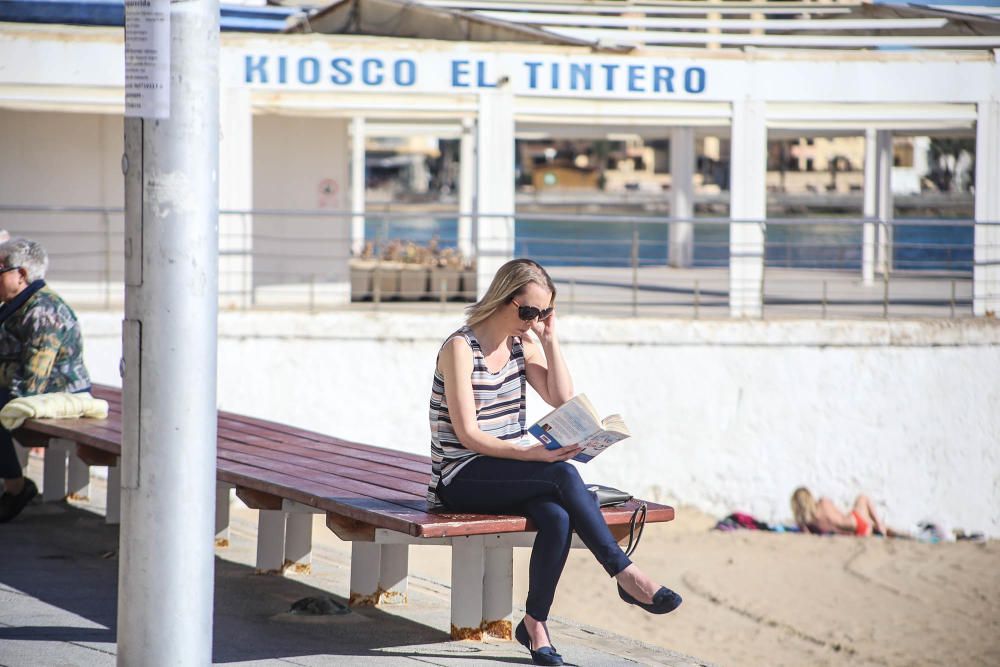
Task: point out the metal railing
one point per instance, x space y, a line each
602 264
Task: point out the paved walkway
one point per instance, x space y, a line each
58 601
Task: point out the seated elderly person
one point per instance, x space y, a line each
41 351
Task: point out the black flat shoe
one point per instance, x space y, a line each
544 656
664 602
11 504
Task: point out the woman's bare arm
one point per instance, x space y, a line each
455 364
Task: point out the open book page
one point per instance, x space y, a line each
576 422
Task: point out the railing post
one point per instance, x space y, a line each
697 299
953 299
885 285
635 269
107 259
763 266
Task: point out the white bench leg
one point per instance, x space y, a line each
78 484
366 569
54 470
298 543
468 569
113 503
392 576
270 541
222 500
378 573
498 589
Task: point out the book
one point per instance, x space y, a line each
577 422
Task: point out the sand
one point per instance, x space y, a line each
755 598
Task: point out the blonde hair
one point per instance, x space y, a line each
509 281
804 507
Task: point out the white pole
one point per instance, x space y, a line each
748 205
466 187
870 207
681 252
494 183
166 569
883 200
986 268
236 193
357 185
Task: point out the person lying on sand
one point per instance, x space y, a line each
824 518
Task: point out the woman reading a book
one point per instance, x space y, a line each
482 462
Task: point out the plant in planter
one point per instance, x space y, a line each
410 271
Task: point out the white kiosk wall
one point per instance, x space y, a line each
65 159
301 163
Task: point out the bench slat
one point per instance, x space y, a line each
340 477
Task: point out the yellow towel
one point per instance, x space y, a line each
59 405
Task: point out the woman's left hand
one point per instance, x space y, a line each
545 329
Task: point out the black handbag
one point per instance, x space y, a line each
608 496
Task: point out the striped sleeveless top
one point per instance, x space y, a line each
500 411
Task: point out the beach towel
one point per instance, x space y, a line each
58 405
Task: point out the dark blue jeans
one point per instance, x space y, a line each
556 500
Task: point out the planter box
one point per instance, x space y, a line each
413 282
469 285
448 279
386 279
362 271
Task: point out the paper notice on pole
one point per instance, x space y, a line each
147 58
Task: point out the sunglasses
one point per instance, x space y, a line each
8 269
528 313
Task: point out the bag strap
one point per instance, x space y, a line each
638 517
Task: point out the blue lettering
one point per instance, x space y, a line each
694 79
636 76
609 76
282 69
341 71
533 74
309 71
578 73
481 76
368 76
404 72
257 67
555 76
663 75
458 73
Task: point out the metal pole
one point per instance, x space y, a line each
824 299
885 280
953 299
635 270
168 461
763 266
107 260
697 300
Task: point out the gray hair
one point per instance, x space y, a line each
28 255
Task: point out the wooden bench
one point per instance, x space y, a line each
371 496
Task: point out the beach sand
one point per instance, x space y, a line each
757 598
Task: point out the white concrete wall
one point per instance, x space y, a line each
65 159
726 415
302 164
